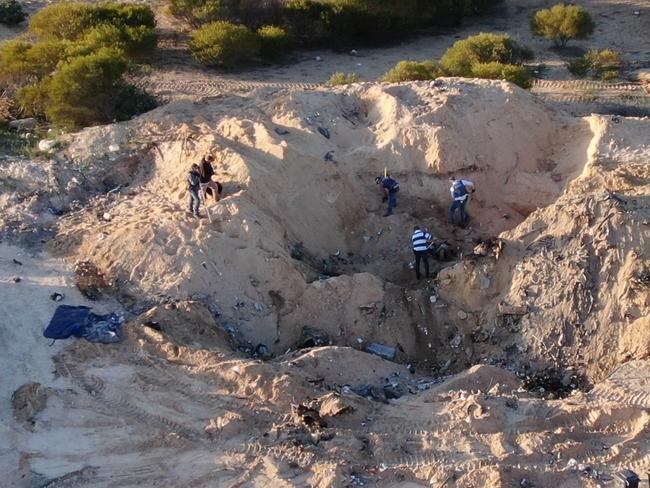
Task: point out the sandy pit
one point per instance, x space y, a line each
551 273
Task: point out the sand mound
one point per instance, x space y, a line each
298 246
298 166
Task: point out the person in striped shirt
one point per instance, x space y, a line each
421 241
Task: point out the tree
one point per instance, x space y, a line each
274 41
563 23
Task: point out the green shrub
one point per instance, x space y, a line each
605 64
223 44
21 61
128 14
6 109
610 75
197 12
72 20
274 41
341 21
11 12
482 48
73 73
340 78
84 91
63 21
33 99
563 23
579 67
411 71
137 41
305 19
518 75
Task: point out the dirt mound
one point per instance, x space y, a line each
289 420
281 191
299 242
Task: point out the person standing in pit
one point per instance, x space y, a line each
421 242
460 194
207 171
389 187
194 187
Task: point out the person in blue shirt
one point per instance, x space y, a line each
421 242
389 187
460 190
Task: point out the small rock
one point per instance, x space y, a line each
354 52
382 351
22 124
46 144
107 217
17 279
462 315
433 299
318 58
113 148
57 297
281 131
455 342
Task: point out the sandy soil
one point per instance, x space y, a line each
179 408
559 278
26 309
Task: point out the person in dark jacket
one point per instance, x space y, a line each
194 187
460 190
207 171
389 187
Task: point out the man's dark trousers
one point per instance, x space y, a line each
421 256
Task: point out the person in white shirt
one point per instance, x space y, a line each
421 241
460 194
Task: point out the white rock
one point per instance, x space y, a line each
107 217
46 144
113 148
433 299
462 315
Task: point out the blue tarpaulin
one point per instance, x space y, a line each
80 321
